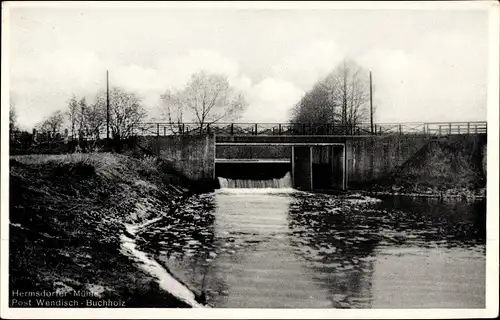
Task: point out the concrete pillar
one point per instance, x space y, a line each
338 166
302 167
344 167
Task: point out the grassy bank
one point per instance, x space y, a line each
447 167
67 213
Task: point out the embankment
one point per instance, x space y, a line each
190 156
71 228
444 166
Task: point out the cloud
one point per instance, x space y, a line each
435 82
418 87
426 66
271 99
66 69
45 84
309 63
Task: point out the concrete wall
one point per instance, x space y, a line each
368 158
371 158
193 156
253 152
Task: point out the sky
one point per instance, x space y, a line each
427 65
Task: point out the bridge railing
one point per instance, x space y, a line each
447 128
273 129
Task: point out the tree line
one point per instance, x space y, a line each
339 99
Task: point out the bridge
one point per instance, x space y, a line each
293 129
322 156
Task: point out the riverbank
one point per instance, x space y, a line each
465 194
443 168
68 218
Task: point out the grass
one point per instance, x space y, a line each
66 216
441 167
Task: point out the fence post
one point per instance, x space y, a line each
449 126
380 130
157 129
164 131
400 129
468 127
458 129
232 128
182 129
279 129
208 128
255 129
475 128
439 129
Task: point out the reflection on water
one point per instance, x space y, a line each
430 278
295 249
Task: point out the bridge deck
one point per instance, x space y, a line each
282 140
277 160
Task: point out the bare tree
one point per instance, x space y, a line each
340 98
125 110
314 107
82 118
348 88
207 98
173 110
12 118
53 123
73 114
95 117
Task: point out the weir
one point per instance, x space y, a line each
314 162
281 183
309 167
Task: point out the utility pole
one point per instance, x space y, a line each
107 105
344 101
371 104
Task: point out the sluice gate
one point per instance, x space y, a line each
308 166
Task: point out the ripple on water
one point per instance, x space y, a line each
333 249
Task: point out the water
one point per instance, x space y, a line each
255 249
284 182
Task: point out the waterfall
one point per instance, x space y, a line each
280 183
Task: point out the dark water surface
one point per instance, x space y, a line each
256 248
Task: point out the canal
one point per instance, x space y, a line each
279 248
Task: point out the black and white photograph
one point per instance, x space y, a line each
249 159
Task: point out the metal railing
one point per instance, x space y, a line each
274 129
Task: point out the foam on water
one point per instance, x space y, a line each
165 280
256 191
270 184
